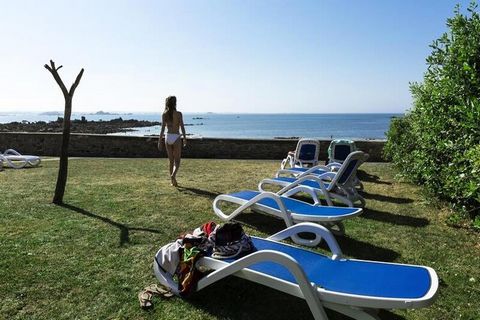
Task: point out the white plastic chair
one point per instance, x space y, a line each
305 155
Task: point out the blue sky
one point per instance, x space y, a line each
218 56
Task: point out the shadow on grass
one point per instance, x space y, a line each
199 192
262 222
124 229
381 197
350 246
397 219
7 167
364 176
234 298
229 298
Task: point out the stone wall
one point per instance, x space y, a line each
92 145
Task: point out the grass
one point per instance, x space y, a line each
89 258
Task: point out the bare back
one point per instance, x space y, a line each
173 126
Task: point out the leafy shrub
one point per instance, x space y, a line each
437 143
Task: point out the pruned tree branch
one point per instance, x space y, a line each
56 76
75 84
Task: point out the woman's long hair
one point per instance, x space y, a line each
170 107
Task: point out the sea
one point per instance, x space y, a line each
246 125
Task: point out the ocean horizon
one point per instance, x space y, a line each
243 125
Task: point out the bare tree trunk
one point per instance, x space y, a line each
63 166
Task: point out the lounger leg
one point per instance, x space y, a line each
309 292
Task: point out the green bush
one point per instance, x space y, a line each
437 143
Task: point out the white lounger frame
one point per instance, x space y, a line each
289 217
345 193
331 167
17 161
317 298
293 173
294 161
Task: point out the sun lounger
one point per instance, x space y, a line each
306 154
339 186
290 210
17 161
355 288
339 149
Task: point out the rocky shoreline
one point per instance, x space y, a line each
78 126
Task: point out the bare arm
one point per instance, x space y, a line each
182 127
161 137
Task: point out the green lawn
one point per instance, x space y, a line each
89 258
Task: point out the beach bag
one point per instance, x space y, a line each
229 241
168 257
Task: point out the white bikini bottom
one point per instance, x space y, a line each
171 138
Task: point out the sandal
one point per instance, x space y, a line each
145 298
159 290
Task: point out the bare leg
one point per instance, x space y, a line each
177 154
170 154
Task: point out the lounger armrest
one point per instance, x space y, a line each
286 172
11 152
334 166
328 175
244 205
306 189
312 228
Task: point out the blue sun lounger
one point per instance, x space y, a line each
305 154
290 210
355 288
339 186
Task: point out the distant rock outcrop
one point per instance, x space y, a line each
78 126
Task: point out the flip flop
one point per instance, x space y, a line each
160 290
145 299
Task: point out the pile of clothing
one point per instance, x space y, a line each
223 241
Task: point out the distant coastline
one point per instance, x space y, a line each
369 126
99 113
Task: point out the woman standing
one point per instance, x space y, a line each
173 144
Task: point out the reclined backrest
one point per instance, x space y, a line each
339 150
349 168
307 150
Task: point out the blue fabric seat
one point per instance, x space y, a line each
297 206
355 288
357 277
291 210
